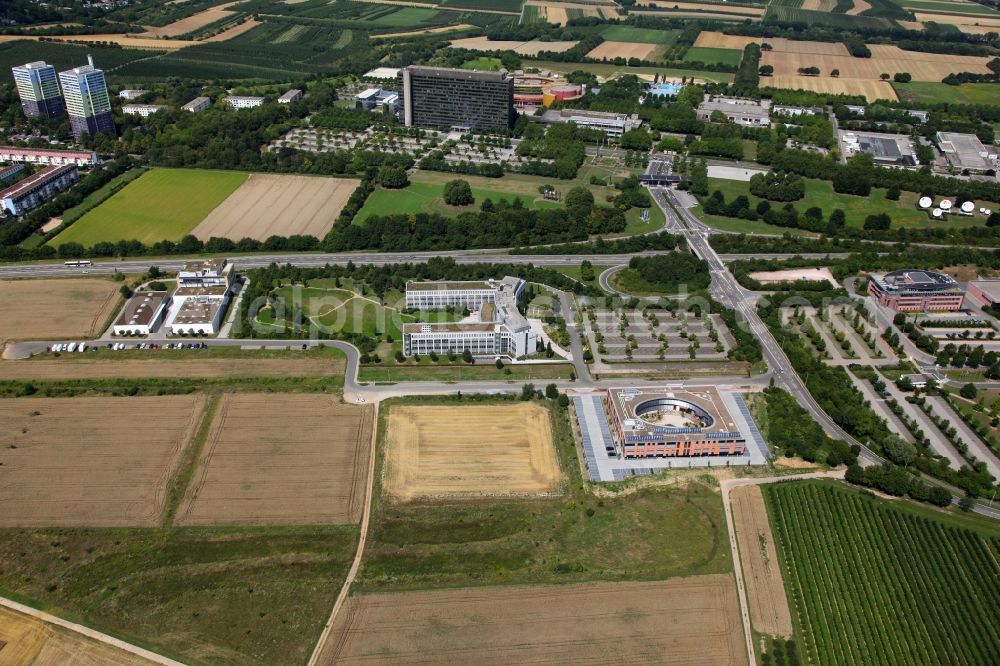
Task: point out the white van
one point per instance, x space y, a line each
71 347
83 347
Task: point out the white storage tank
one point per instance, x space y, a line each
925 202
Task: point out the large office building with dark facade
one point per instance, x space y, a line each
447 99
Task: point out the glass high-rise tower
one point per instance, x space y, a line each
38 88
87 101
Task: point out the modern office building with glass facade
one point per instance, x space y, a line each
38 87
87 101
462 99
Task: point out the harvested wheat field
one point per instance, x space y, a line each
278 205
191 23
186 366
28 641
91 462
612 50
863 6
719 40
234 31
125 41
532 48
761 568
281 459
872 90
681 621
61 308
885 58
469 452
952 19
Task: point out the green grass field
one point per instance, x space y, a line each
425 196
874 581
713 56
930 93
163 204
200 595
904 213
625 33
483 63
652 534
405 17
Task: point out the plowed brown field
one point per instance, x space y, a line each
761 569
469 451
96 462
40 309
278 205
681 621
281 459
32 642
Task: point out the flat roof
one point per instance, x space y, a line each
294 92
445 285
450 327
214 264
382 73
48 152
141 308
913 280
197 101
462 74
219 291
195 311
659 411
965 149
989 287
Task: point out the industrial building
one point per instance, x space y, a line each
37 188
292 95
204 289
87 103
243 102
789 110
144 110
892 150
499 330
38 87
468 100
142 314
913 290
746 112
662 423
612 124
48 157
967 152
197 104
382 74
987 292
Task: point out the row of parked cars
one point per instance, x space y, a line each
118 346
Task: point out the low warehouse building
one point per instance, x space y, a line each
142 314
986 292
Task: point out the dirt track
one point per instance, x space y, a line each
278 205
190 368
469 451
63 308
765 589
681 621
96 462
32 642
281 459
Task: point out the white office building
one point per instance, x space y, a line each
197 104
204 289
240 102
144 110
130 95
501 330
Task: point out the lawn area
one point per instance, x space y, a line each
233 595
711 56
424 195
443 371
925 581
626 33
930 93
651 534
483 63
904 213
608 70
338 310
163 204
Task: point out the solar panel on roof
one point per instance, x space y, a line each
919 277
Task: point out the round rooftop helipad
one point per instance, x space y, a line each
670 412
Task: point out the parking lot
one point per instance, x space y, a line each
623 335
